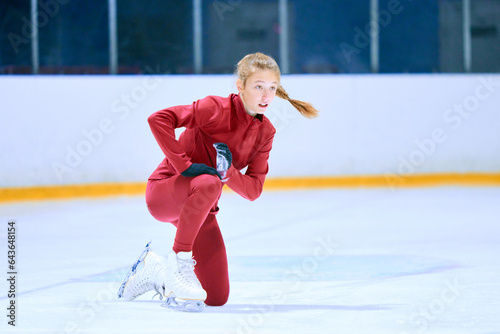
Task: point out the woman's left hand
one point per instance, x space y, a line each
224 158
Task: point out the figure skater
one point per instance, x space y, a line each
223 135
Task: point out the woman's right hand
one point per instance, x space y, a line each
199 169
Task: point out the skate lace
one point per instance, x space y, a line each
147 282
186 268
158 293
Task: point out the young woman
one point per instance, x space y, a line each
223 135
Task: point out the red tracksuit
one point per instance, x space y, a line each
190 203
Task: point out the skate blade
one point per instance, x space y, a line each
132 270
185 305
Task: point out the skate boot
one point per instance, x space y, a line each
147 274
182 288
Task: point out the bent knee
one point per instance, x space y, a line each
208 179
209 185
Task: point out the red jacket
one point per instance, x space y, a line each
215 120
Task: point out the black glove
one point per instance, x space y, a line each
224 158
199 169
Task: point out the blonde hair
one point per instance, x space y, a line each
259 61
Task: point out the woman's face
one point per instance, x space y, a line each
259 91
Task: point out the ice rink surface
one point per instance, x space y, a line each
324 261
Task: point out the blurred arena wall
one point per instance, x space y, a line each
78 130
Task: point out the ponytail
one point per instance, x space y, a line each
305 108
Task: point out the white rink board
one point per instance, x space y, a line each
90 129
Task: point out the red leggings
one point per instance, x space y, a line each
190 203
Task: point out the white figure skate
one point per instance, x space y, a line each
172 278
147 274
182 287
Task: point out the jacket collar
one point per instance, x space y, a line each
241 114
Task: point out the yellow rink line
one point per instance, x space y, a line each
288 183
